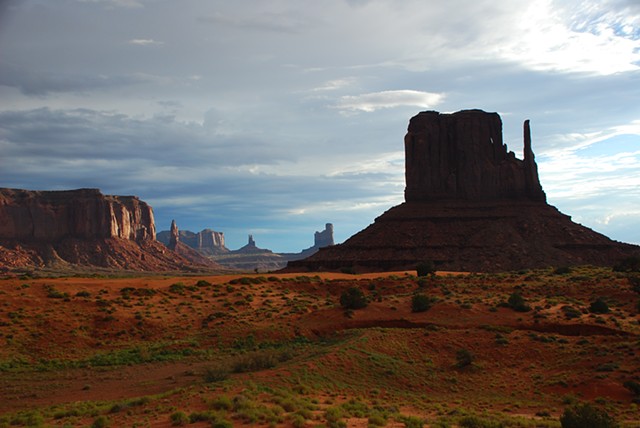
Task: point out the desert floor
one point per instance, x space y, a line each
280 350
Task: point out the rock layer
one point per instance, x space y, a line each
470 206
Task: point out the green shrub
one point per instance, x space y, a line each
464 358
426 268
584 415
215 374
222 402
476 422
353 298
570 312
179 418
599 306
203 283
421 303
412 421
517 302
100 422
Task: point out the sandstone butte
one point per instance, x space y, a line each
83 227
470 205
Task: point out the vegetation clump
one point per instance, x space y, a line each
518 303
599 306
584 415
464 358
421 303
353 298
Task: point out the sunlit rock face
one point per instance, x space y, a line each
83 228
84 213
471 205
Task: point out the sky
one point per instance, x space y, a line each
275 117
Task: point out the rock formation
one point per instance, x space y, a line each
324 238
207 242
45 216
461 156
80 227
470 205
184 250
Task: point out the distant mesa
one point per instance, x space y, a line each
250 257
81 227
470 205
207 242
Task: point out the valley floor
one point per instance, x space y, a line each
488 350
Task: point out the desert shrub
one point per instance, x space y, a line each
517 302
476 422
412 421
353 298
630 264
464 358
203 283
100 422
634 387
599 306
426 268
585 415
52 293
570 312
83 293
376 420
222 402
259 360
177 288
562 270
334 416
222 423
179 418
215 374
421 303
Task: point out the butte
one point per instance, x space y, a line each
470 205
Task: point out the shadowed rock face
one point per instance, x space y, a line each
470 206
461 156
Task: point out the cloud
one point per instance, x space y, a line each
264 21
144 42
129 4
40 83
389 99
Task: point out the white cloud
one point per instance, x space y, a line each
389 99
575 37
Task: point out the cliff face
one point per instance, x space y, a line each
462 156
48 216
470 206
82 228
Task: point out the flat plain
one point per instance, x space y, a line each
485 350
